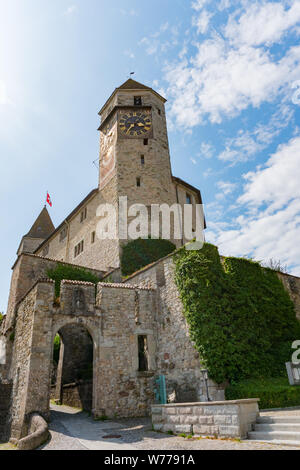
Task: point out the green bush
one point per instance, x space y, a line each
139 253
1 318
273 392
70 273
240 316
56 348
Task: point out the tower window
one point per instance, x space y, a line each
137 101
142 160
159 111
78 249
138 182
143 353
83 215
188 199
145 141
93 237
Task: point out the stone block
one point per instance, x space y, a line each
189 419
156 410
229 431
183 428
205 430
174 419
185 410
170 411
168 427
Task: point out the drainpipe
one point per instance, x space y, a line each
177 199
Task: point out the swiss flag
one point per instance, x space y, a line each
49 200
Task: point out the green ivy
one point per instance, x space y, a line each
139 253
240 316
70 273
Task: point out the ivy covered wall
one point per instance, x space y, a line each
240 316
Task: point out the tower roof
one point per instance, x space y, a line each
42 227
132 85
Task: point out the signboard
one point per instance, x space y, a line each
293 371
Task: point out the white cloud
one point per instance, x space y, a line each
206 150
226 186
202 21
71 10
129 54
270 227
262 23
199 4
247 143
231 72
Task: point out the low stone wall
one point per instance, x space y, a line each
5 397
231 419
76 395
38 433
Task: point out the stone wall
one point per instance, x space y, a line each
5 399
230 419
292 285
114 319
27 270
177 357
77 394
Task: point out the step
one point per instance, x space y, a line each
278 435
279 442
278 419
268 427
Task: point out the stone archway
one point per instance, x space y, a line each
74 377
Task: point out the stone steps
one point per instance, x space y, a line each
281 429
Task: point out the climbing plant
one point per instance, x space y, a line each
70 273
240 316
139 253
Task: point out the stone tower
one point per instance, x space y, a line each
134 162
40 230
134 148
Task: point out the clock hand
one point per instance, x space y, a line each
132 125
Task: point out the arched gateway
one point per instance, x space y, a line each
85 315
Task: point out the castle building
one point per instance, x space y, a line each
134 162
131 331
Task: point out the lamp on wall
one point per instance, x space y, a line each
204 373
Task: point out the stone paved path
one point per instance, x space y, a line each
72 429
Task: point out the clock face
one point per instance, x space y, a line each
135 123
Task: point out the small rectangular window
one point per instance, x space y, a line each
159 111
83 215
188 199
93 237
143 353
138 182
142 160
78 249
145 141
137 101
63 234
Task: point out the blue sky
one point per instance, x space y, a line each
231 73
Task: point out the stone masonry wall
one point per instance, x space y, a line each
230 419
5 399
177 357
27 270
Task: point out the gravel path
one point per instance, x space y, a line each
72 429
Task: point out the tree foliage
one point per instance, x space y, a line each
139 253
71 273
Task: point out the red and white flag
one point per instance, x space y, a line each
49 199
